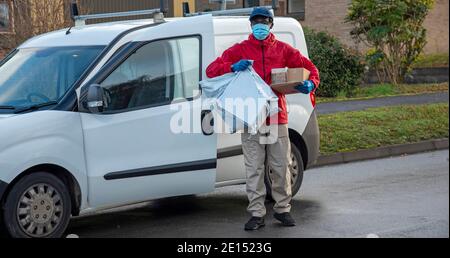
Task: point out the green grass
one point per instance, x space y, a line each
432 60
371 128
385 90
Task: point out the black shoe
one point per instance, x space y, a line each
254 223
285 218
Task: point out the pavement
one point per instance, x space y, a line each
405 196
353 105
382 152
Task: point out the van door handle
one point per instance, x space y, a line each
207 122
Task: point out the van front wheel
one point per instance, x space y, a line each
296 170
38 206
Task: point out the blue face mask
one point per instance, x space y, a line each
260 31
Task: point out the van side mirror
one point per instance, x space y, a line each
95 102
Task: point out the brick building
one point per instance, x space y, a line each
329 15
326 15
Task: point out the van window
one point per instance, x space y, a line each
154 75
38 75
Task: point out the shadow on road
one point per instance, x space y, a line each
186 216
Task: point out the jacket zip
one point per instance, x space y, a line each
264 68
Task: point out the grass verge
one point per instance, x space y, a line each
375 127
386 90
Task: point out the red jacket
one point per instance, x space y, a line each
267 54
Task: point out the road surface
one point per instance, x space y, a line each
405 196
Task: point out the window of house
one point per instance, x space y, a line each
5 16
220 1
296 8
154 75
251 3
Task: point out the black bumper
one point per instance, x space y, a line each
311 136
3 187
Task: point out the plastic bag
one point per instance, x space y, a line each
243 100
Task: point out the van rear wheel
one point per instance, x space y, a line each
38 206
296 170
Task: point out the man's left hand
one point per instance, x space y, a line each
306 87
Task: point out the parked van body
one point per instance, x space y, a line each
62 153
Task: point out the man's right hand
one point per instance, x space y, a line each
306 87
241 65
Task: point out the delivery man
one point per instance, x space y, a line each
267 53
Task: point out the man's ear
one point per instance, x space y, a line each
271 25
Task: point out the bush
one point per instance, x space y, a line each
395 31
340 68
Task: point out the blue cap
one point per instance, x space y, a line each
262 11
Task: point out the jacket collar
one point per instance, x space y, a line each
269 41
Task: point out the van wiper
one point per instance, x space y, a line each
7 107
37 106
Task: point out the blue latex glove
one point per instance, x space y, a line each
241 65
306 87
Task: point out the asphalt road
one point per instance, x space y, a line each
353 105
404 196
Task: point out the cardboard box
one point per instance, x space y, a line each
279 75
284 80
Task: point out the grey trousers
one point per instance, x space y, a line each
276 147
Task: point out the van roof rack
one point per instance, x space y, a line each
230 12
80 20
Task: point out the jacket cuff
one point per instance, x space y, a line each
315 86
227 68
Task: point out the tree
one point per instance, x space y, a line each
393 29
34 17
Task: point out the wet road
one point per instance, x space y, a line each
404 196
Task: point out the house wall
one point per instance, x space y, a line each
437 25
329 15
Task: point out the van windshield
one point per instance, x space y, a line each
34 76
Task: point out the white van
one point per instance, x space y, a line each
85 114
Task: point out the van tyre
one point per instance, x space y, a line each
3 233
297 169
38 206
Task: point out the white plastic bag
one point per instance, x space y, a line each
242 100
